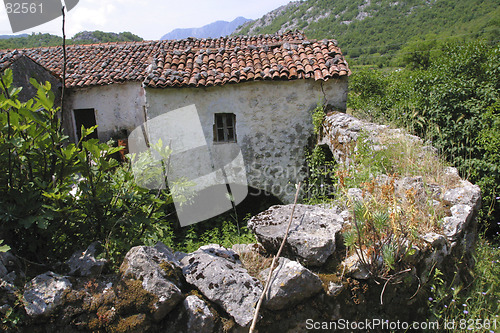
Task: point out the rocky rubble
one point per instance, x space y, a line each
155 267
291 283
44 294
85 263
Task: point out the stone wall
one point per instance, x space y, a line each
215 289
273 123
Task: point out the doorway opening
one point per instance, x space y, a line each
85 118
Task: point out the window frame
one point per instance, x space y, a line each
224 128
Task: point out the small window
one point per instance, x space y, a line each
225 127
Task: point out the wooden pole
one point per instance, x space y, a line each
266 287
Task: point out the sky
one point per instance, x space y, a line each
149 19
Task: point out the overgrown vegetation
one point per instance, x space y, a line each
388 219
453 101
449 94
473 307
320 181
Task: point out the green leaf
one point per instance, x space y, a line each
15 91
35 116
16 142
87 131
27 221
349 238
43 223
14 103
4 248
7 78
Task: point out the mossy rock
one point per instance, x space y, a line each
133 324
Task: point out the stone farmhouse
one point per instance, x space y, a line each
257 91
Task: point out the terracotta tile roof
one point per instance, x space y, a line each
192 62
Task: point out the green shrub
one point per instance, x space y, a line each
56 196
470 304
453 102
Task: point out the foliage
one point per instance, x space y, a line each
386 221
56 196
44 40
386 225
3 248
454 103
321 179
222 230
97 36
380 239
374 32
318 116
13 315
471 304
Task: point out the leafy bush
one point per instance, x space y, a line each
57 196
474 304
321 179
454 103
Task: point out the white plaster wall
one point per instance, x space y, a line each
117 107
273 123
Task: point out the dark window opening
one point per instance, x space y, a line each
225 127
85 117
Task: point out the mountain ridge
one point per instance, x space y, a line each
373 31
213 30
84 37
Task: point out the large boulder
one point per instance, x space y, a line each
461 217
44 293
290 283
311 239
219 275
84 263
159 272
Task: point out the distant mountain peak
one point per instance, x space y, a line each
212 30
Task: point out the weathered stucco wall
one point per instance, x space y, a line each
117 107
273 123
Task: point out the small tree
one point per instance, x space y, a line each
57 196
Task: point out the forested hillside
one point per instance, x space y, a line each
372 31
85 37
